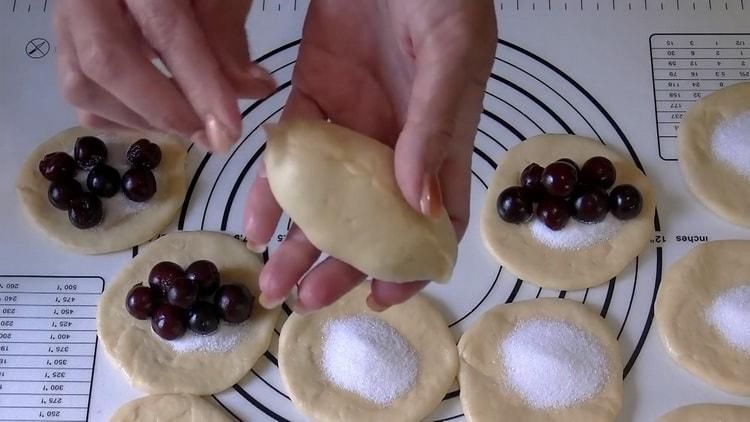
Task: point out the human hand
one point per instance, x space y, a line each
104 52
410 74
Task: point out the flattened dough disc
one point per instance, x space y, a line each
134 229
169 408
687 290
417 320
514 246
147 361
719 187
484 391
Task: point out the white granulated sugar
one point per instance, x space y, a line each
368 357
221 340
553 364
731 143
730 314
575 235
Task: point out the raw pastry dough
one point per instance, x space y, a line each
148 362
688 289
110 236
339 187
707 413
485 395
417 320
514 246
169 408
718 186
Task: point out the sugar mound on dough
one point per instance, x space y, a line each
366 356
730 314
731 143
221 340
575 235
552 364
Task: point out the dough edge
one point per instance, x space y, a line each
704 412
169 407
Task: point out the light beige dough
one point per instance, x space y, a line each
417 320
340 188
717 185
485 393
116 232
148 361
686 292
170 408
707 413
515 247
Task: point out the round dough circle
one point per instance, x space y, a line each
171 408
484 392
339 187
717 185
134 229
707 412
687 290
515 247
148 362
417 320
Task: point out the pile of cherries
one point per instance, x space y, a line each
563 190
194 298
103 181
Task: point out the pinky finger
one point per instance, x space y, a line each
98 122
384 294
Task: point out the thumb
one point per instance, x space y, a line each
428 131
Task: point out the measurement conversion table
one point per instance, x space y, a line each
47 346
685 68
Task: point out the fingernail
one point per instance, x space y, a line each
218 134
199 138
299 307
268 303
431 201
255 246
374 305
258 72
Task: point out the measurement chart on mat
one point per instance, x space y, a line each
687 67
47 346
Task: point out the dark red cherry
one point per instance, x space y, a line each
144 153
591 206
531 181
625 202
138 184
163 275
140 302
57 166
235 302
554 212
63 192
559 178
205 275
182 293
203 318
571 162
514 205
85 211
169 322
103 181
599 172
90 151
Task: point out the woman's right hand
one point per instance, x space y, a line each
104 53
